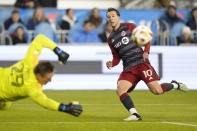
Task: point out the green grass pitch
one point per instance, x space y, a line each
175 111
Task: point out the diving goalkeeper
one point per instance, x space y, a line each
26 78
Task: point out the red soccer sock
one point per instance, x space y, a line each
166 87
127 101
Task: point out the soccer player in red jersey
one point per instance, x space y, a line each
136 65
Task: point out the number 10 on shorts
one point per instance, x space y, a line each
148 73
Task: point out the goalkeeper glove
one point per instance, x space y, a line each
73 109
62 55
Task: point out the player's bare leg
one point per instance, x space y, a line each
123 87
157 88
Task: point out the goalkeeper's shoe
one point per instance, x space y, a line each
181 86
133 117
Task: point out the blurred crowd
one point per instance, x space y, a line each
171 28
179 31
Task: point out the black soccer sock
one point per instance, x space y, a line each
127 101
167 86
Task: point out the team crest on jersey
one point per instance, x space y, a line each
123 33
125 40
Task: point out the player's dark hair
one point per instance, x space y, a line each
67 10
19 27
87 21
15 11
43 68
113 9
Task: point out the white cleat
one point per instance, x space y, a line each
181 86
133 117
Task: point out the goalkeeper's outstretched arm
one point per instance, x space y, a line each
36 48
71 108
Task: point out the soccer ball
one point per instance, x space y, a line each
142 35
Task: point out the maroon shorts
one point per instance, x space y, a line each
143 71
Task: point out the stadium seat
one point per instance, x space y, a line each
172 40
195 35
164 26
1 27
27 16
14 26
101 28
177 29
46 29
5 14
155 27
187 16
5 39
81 17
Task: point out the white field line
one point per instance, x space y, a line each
141 104
60 122
181 124
121 104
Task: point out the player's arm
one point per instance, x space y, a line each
36 47
116 59
147 48
146 51
40 98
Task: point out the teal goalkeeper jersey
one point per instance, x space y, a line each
19 80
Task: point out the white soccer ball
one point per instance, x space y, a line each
142 35
75 103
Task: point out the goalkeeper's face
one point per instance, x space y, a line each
113 19
45 79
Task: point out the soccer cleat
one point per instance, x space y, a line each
133 117
181 86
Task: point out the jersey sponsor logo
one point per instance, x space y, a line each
123 33
125 40
118 44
